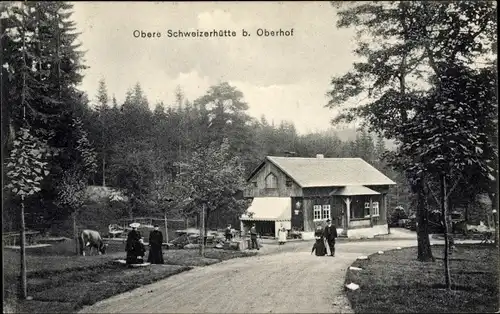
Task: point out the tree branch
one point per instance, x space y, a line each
455 184
472 37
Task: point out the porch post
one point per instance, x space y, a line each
371 208
347 213
384 200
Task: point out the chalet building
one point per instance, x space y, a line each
302 193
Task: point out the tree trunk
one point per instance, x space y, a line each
423 242
467 209
205 224
131 207
495 216
202 232
24 286
488 218
166 225
103 169
494 209
6 106
444 213
75 233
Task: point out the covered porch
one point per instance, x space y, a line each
268 214
362 208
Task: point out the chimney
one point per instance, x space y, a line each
320 156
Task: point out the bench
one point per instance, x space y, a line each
487 237
115 231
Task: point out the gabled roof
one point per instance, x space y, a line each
324 172
270 209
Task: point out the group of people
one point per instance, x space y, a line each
136 249
253 236
325 240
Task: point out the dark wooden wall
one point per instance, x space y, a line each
291 189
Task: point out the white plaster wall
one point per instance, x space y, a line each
367 232
307 235
359 223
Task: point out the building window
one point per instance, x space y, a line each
271 181
322 212
288 182
317 212
375 209
326 211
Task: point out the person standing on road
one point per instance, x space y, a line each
319 245
229 233
282 235
155 246
330 233
253 237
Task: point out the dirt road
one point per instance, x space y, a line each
288 282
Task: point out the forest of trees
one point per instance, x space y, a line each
147 150
143 149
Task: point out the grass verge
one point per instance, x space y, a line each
64 284
395 282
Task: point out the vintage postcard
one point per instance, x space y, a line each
250 157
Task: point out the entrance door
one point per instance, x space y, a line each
297 209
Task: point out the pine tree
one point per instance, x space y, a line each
102 109
380 148
179 96
114 102
42 63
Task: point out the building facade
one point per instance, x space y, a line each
349 191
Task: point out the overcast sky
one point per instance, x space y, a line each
283 78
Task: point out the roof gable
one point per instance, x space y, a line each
322 172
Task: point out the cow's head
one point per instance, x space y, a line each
102 249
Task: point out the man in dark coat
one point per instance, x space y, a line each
228 233
253 237
155 246
330 233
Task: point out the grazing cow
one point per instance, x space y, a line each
92 239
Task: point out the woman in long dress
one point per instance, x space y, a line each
155 246
282 235
319 245
133 246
